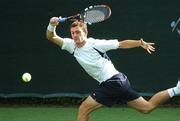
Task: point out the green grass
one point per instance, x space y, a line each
69 114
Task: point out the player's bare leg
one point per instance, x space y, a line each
86 108
144 106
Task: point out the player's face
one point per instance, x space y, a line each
78 35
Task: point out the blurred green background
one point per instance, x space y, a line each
24 47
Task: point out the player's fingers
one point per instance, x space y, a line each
54 21
151 43
149 51
152 48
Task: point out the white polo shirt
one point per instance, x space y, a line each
92 57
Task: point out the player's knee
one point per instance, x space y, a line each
147 109
84 108
82 113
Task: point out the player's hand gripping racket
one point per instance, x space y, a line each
93 14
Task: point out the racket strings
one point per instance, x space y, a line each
95 16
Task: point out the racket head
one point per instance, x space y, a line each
95 14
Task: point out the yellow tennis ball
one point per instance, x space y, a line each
26 77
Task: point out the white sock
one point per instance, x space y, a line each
173 91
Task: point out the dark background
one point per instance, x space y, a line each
24 47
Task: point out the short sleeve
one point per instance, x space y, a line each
68 44
106 45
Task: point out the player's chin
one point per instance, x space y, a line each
76 40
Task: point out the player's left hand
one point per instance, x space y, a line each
54 21
147 46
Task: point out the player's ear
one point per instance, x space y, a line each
85 31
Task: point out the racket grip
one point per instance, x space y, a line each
62 19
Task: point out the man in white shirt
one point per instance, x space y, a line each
114 86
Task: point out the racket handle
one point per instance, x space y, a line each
62 19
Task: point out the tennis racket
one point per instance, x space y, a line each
90 15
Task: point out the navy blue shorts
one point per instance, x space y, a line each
115 90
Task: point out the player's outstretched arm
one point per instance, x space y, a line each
51 32
137 43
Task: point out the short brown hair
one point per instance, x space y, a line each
80 24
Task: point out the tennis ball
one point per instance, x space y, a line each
26 77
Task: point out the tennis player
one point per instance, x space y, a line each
114 86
